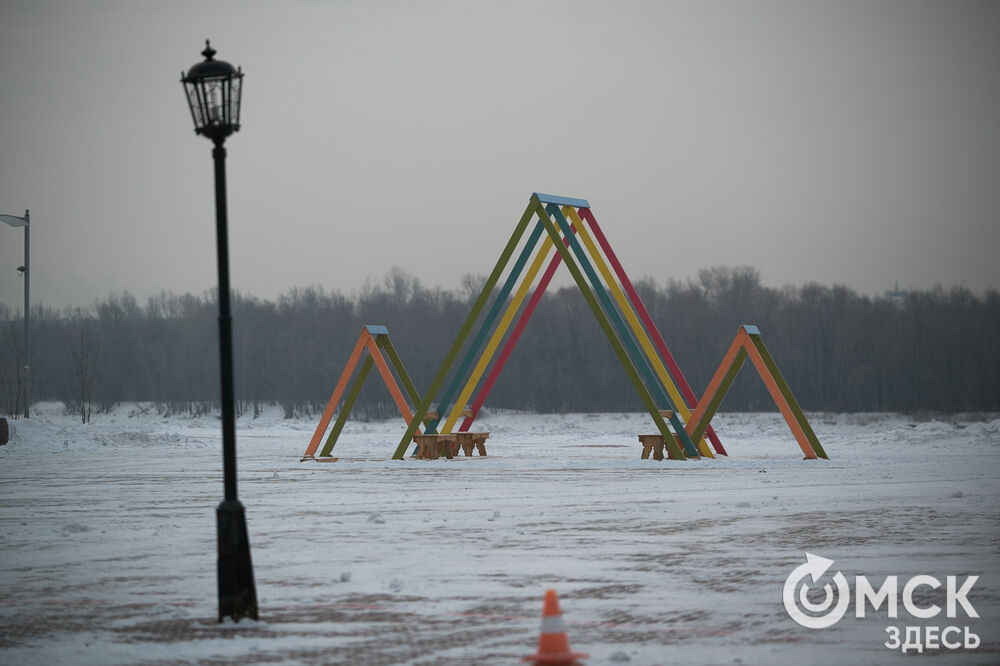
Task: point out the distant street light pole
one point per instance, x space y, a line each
214 93
15 221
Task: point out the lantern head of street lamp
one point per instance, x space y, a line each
15 221
214 90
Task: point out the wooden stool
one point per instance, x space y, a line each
447 446
652 443
430 447
426 447
479 439
467 440
655 444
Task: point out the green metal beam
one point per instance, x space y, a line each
345 410
616 344
720 393
480 339
456 346
793 404
639 360
385 344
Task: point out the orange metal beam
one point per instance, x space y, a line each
338 392
699 412
743 346
390 381
778 397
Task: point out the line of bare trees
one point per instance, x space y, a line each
933 351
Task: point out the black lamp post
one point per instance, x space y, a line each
214 92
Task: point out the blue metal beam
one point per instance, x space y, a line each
638 359
562 201
477 343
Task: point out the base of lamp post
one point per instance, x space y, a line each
237 594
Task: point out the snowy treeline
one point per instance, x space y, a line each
840 351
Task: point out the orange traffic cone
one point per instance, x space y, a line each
553 644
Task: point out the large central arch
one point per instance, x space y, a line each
562 222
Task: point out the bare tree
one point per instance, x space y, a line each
12 376
83 366
839 350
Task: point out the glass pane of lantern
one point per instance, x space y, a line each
234 99
192 95
214 102
203 120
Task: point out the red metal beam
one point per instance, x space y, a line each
647 321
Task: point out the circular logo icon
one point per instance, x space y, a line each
820 615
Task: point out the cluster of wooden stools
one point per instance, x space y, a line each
432 447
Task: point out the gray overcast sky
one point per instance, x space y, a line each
851 143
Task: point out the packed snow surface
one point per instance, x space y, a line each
108 540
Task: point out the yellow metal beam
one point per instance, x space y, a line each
633 321
498 334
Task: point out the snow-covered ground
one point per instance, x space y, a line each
107 540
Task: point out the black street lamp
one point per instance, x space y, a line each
214 92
